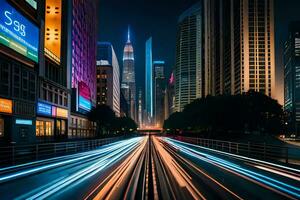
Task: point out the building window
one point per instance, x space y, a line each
1 127
44 128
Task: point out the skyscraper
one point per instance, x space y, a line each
83 61
128 77
292 78
242 57
108 77
189 55
159 90
149 81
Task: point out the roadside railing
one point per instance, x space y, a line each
259 151
12 155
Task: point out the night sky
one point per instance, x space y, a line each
158 18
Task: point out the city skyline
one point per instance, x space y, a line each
141 31
152 99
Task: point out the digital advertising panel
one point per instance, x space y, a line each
53 29
17 32
44 109
84 97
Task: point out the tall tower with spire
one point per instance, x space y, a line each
128 77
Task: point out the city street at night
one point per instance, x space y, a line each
149 99
150 167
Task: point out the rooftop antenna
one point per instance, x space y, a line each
128 34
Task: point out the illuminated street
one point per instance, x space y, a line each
155 168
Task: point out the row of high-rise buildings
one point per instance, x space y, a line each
47 70
225 47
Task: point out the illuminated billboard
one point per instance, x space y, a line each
53 29
44 109
6 106
84 97
60 112
17 32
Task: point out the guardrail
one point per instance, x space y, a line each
252 150
11 155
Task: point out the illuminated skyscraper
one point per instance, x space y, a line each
239 47
292 78
189 56
83 61
128 77
149 80
252 48
159 92
108 77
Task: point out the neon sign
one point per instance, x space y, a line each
17 32
23 122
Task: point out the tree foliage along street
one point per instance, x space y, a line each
107 122
247 112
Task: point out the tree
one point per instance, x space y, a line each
104 117
175 121
251 111
125 125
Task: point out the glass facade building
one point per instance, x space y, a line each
292 78
159 92
84 45
189 55
149 81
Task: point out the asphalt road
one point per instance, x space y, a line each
150 167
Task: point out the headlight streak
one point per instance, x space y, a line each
236 156
208 176
277 172
50 166
114 183
183 180
115 155
30 164
259 177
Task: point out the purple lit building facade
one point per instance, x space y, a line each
83 55
84 45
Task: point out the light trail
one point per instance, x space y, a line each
70 159
180 176
119 176
116 152
32 164
279 172
244 158
265 180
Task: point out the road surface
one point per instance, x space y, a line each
150 167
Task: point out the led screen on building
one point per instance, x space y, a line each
53 29
84 97
17 32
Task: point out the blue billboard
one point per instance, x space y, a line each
17 32
44 109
